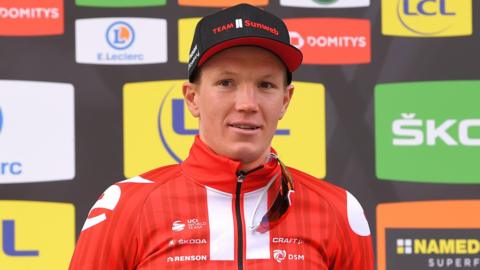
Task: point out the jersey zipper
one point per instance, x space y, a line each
241 175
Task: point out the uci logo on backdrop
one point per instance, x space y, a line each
427 18
37 138
428 235
428 131
159 130
31 18
121 41
36 235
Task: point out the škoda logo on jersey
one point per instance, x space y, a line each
427 18
159 129
31 17
335 41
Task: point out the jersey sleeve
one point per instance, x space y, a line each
109 237
353 239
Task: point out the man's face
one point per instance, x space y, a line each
239 98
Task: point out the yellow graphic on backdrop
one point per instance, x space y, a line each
36 235
159 130
186 30
427 18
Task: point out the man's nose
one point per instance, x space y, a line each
246 99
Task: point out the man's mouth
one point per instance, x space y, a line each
245 126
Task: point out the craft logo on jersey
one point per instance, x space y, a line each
420 236
427 18
159 130
220 3
325 3
338 41
31 17
123 3
121 41
120 35
38 142
428 131
36 235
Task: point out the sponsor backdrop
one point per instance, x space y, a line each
387 105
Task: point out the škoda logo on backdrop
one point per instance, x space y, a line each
31 17
159 130
428 131
334 41
427 18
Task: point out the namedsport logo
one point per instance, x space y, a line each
427 18
421 235
325 3
31 18
36 235
338 41
220 3
121 41
159 130
428 131
123 3
38 142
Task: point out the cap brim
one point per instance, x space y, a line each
290 56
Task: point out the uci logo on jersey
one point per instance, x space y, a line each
159 129
427 18
36 235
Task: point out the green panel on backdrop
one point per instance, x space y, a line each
120 3
428 131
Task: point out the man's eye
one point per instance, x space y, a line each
266 85
224 83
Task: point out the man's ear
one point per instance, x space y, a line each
286 100
190 94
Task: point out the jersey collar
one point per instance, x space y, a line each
219 172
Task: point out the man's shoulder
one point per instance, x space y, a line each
316 185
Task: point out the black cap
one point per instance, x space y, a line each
242 25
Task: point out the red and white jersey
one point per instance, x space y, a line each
196 215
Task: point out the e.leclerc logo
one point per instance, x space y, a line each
36 235
116 3
427 18
36 131
120 35
420 236
158 128
325 3
121 41
428 131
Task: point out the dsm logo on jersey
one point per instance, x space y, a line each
220 3
427 18
124 3
159 130
36 235
325 3
420 235
428 131
121 41
37 138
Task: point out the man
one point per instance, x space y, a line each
231 204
